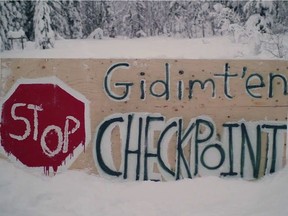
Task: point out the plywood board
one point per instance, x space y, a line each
236 91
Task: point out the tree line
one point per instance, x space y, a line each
45 21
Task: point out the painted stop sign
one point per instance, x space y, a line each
44 123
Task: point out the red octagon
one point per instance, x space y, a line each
44 123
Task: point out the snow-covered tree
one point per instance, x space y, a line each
4 26
281 11
198 19
223 17
175 25
116 27
202 16
261 7
59 20
238 7
134 20
44 35
259 21
13 18
260 15
160 16
28 27
74 19
98 14
108 20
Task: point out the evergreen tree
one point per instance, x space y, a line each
74 19
138 20
175 24
157 16
4 26
13 18
280 15
192 19
59 21
134 20
223 17
44 35
260 15
238 7
98 14
28 27
90 17
203 17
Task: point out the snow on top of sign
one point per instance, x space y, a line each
16 34
144 48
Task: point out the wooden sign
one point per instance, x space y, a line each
151 119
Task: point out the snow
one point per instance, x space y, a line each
143 48
78 193
96 34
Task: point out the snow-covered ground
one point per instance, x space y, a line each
76 193
156 47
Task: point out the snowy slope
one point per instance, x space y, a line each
155 47
77 193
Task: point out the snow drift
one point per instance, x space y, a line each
78 193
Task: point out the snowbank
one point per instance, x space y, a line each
144 48
77 193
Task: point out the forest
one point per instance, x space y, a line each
47 21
